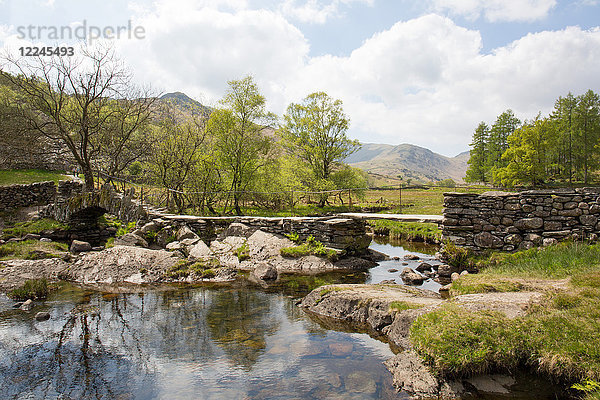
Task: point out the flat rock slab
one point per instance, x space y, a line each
122 264
14 273
366 304
512 304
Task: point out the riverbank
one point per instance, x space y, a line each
535 310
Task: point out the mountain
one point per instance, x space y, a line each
184 102
409 161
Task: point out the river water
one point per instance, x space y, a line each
237 342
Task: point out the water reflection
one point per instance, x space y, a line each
239 322
184 343
390 270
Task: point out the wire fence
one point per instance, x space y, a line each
199 200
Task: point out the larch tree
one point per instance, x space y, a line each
477 162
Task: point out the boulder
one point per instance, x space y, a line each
264 246
189 242
150 227
186 233
119 264
200 251
174 246
412 257
423 267
42 316
412 375
265 272
238 229
78 246
31 236
164 236
131 239
446 270
410 277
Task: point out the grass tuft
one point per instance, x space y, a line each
27 176
409 231
403 306
37 226
32 250
36 289
311 246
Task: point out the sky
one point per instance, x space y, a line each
423 72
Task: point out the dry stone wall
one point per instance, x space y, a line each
36 194
515 221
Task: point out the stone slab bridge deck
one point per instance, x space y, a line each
346 231
432 219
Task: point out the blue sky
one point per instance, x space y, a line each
422 72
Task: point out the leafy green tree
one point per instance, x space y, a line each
67 99
477 171
315 133
178 149
528 158
242 143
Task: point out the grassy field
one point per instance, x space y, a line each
559 337
11 177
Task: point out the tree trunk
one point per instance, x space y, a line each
89 178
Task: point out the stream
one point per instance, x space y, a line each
205 342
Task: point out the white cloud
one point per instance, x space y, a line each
427 82
497 10
199 49
424 81
315 11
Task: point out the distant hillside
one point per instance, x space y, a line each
409 161
183 102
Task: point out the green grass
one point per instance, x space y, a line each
37 226
509 272
310 246
403 306
36 289
32 250
559 336
26 176
409 231
457 342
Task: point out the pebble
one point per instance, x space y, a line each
392 270
27 306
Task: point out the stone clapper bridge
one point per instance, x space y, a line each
345 231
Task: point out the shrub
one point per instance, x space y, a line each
242 252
